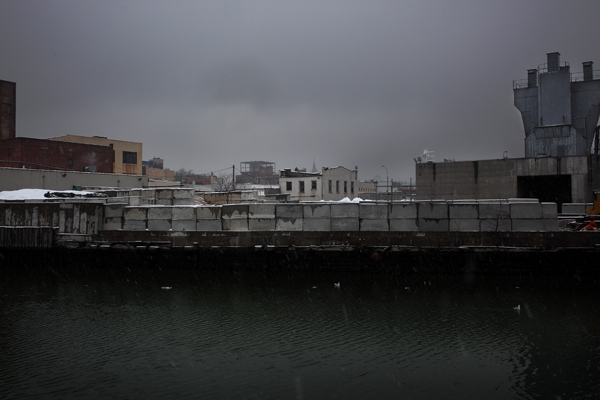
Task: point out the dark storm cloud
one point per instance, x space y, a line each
209 84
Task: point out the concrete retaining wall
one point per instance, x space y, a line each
428 216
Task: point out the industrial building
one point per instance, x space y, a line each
258 172
560 112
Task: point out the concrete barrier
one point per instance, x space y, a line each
234 217
160 218
289 217
261 217
401 225
525 211
184 218
463 217
135 218
87 217
575 208
345 217
373 217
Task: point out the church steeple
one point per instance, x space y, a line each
314 167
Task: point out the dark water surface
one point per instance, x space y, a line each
117 333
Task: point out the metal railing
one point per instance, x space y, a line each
575 77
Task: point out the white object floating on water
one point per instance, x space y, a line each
337 285
518 308
167 287
406 288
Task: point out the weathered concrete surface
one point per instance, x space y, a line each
317 210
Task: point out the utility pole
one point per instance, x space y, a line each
233 179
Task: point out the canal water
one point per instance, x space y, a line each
137 332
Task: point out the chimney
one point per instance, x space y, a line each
588 71
553 61
532 77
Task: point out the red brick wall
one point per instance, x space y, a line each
49 154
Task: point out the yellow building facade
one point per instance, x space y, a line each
128 155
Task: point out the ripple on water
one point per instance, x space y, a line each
269 335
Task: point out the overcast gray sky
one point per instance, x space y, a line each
208 84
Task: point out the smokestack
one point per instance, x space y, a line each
553 61
588 70
532 77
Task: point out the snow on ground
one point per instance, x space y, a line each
39 194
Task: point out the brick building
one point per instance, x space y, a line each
127 157
8 112
32 153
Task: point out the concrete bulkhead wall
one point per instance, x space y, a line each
427 216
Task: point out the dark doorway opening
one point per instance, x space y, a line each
551 188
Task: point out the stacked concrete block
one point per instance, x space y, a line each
164 197
463 217
526 216
250 196
135 201
218 198
373 217
183 197
494 216
345 217
135 197
184 218
135 218
433 216
403 216
550 216
317 217
148 196
288 217
235 217
575 208
159 218
261 217
208 218
113 216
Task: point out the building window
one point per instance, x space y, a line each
129 157
337 186
313 185
288 186
7 108
70 161
330 186
301 186
345 186
351 187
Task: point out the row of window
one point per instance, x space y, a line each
313 186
